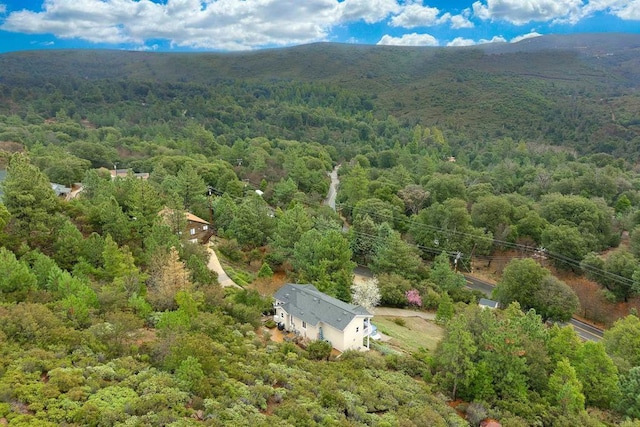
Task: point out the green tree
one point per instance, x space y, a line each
324 260
565 390
290 225
252 223
521 281
598 375
394 255
190 186
443 276
446 310
629 403
190 375
443 187
622 342
555 300
454 358
31 201
491 213
15 276
568 242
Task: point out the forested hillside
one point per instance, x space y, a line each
518 160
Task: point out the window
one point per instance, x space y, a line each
304 325
192 231
205 227
357 328
282 314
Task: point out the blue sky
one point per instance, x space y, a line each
232 25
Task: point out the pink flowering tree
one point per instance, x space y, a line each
413 297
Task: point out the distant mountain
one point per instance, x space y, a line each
618 53
577 90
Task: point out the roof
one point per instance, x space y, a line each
312 306
60 189
488 303
166 212
123 173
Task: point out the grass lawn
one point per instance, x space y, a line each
416 333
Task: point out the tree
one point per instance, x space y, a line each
324 259
290 225
443 187
565 390
366 293
252 223
491 212
15 276
567 241
622 342
31 201
555 300
598 375
454 357
168 276
190 187
629 403
414 197
393 255
447 226
443 276
446 310
525 281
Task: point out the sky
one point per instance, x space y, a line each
238 25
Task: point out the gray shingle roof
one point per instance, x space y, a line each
312 306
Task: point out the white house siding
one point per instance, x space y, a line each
353 335
349 339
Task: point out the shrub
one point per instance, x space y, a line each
400 321
319 350
270 324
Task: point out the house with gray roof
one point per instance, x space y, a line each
314 315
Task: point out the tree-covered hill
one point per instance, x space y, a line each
573 91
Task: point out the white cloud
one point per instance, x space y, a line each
412 39
460 41
494 39
624 9
415 15
520 12
3 8
221 24
530 35
370 11
460 21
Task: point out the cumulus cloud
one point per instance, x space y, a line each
370 11
415 15
624 9
460 21
461 41
530 35
412 39
221 24
520 12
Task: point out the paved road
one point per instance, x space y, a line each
214 265
584 330
333 188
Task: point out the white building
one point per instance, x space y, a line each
306 311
